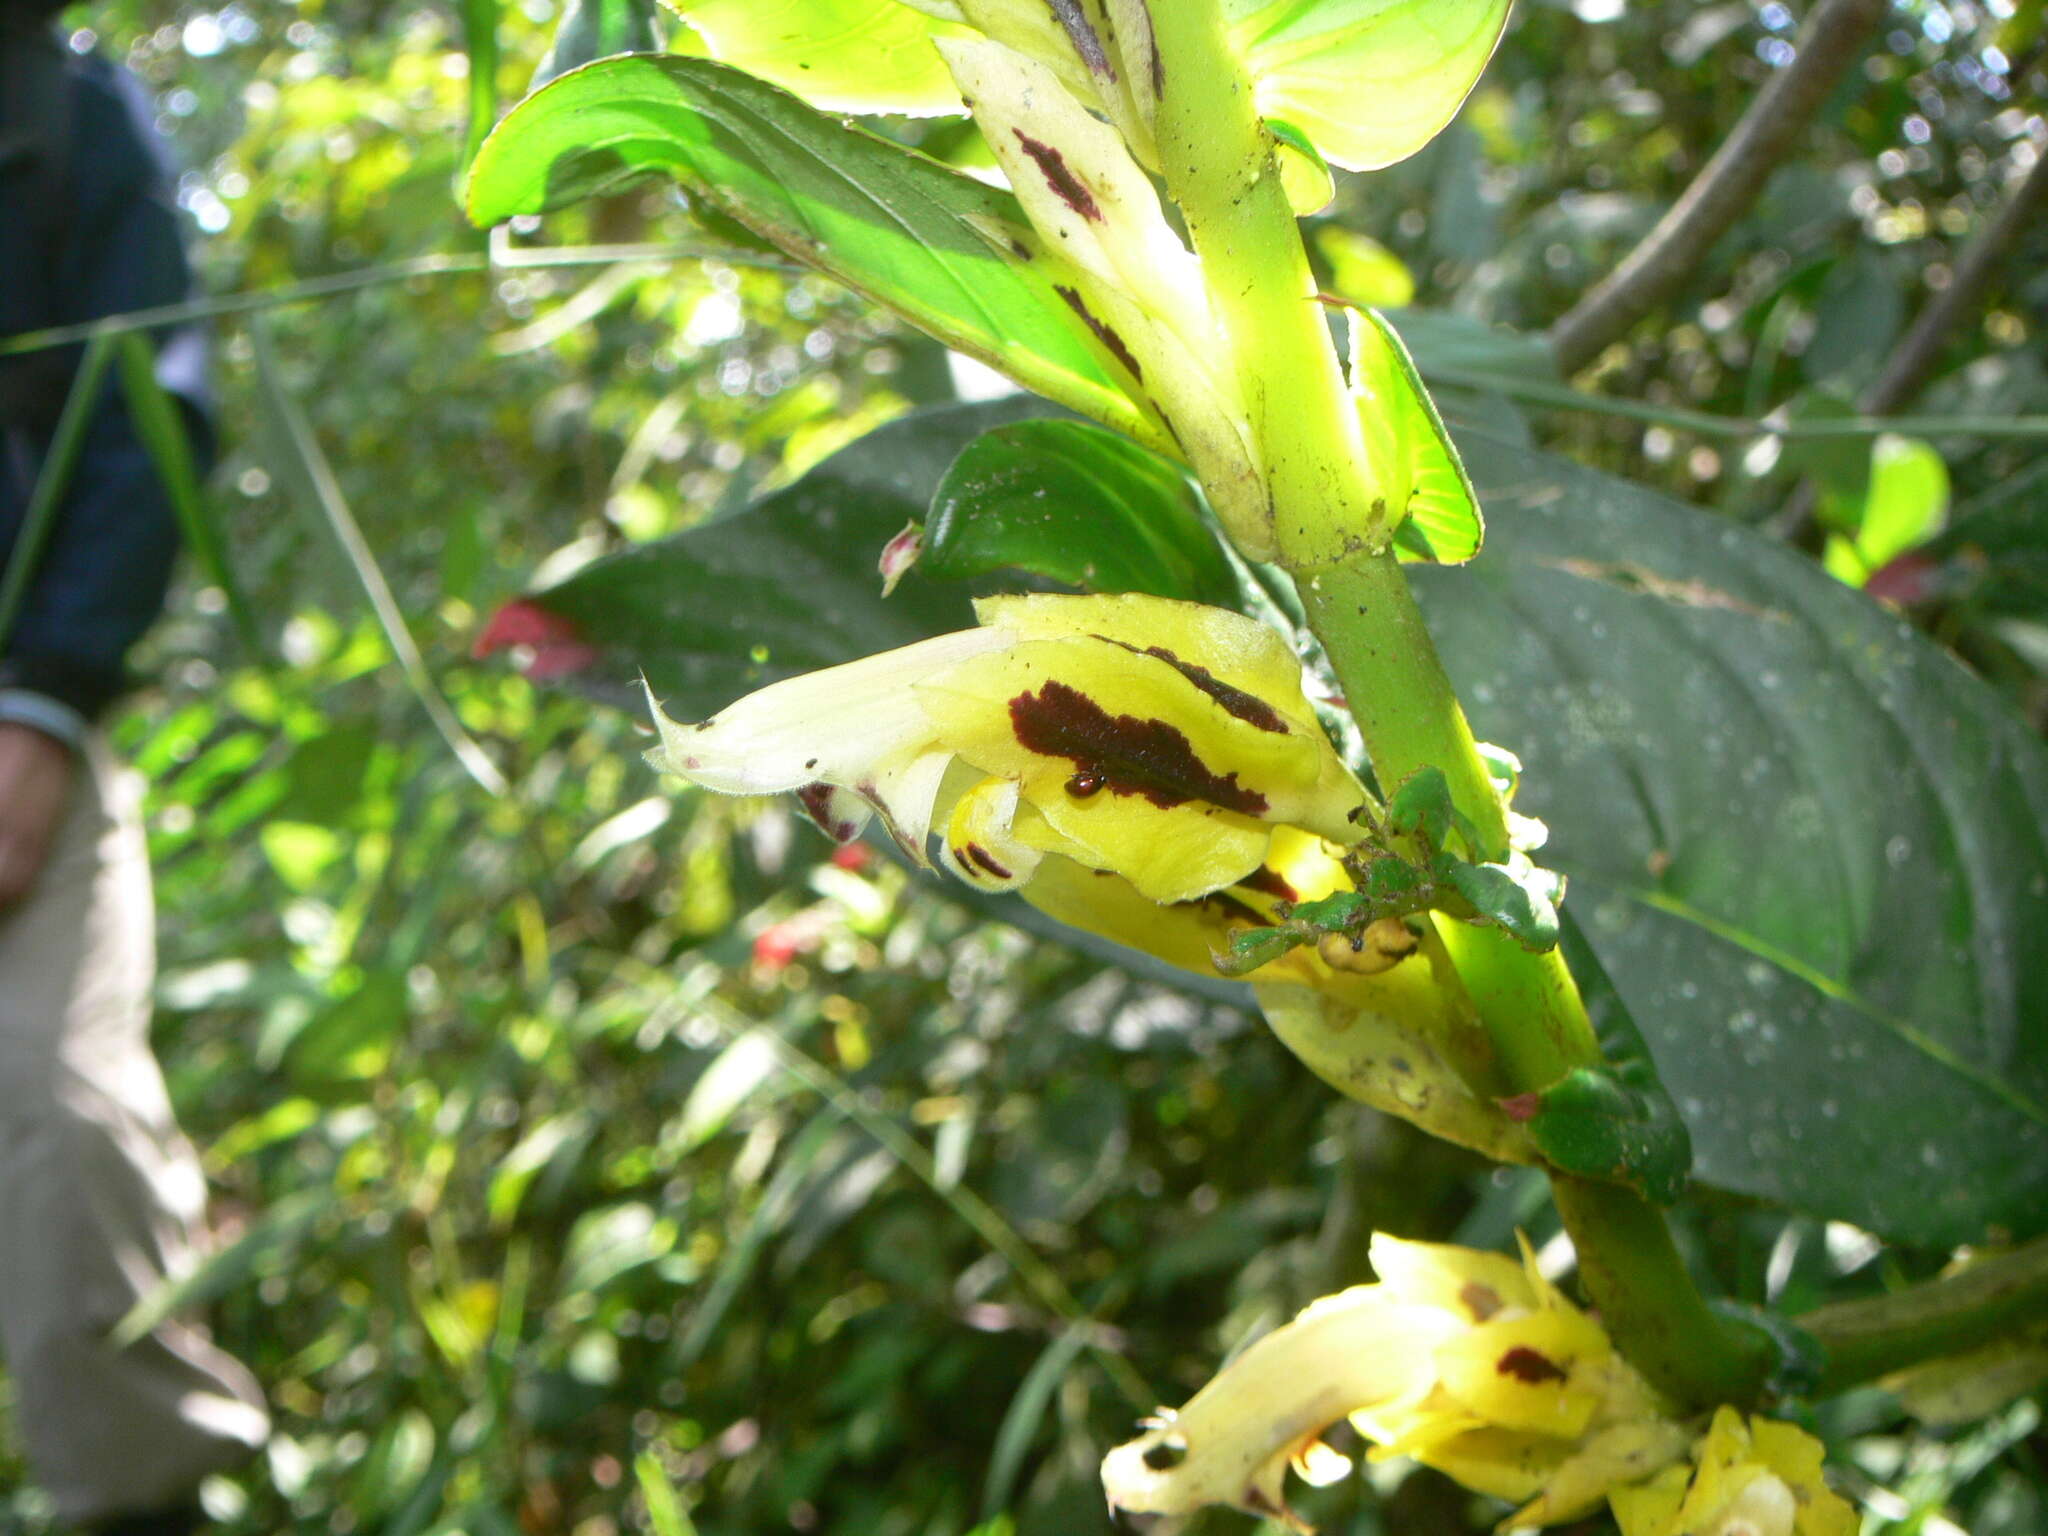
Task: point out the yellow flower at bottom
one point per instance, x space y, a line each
1467 1361
1759 1478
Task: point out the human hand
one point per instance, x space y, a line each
35 777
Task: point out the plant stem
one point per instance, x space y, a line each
1219 166
1633 1274
1956 1313
1331 527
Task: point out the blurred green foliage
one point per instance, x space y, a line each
535 1219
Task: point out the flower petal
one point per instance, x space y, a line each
1232 1442
1467 1281
839 726
981 846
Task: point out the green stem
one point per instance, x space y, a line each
1632 1273
1330 528
1977 1306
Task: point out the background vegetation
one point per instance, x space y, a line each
593 1160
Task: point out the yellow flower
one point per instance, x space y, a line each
1467 1361
1760 1478
1160 741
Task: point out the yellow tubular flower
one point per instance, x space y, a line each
1759 1478
1493 1377
1161 742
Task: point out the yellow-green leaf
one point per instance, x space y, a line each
842 55
1370 81
1419 472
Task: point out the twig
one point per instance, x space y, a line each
1919 350
1725 187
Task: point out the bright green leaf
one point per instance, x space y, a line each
1303 171
1418 470
886 221
1904 503
840 55
1364 272
1371 81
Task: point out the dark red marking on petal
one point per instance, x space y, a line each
816 799
1532 1366
1132 756
1268 881
1066 186
1248 707
1104 333
1482 1301
974 856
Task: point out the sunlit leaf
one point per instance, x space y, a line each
1370 81
1903 505
886 221
1417 467
841 55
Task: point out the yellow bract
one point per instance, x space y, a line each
1757 1477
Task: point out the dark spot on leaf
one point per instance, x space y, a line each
1248 707
816 799
1526 1364
1066 186
1268 881
1105 334
1482 1301
1132 756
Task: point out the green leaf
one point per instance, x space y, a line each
889 223
1594 1124
1520 901
1422 806
1370 81
1419 470
840 55
1077 504
597 29
1805 843
1303 171
1903 505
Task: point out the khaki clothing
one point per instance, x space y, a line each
100 1196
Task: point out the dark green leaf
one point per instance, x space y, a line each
884 220
1595 1125
480 40
1070 501
1806 844
1519 902
1422 807
597 29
